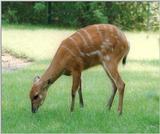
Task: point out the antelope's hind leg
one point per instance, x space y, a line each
114 90
112 70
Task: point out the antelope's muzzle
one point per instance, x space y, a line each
34 110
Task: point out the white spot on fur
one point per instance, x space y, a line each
106 44
108 41
107 58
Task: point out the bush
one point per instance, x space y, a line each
10 17
127 15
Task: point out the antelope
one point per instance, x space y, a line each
96 44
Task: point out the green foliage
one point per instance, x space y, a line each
39 7
10 16
94 13
127 15
154 15
99 16
39 13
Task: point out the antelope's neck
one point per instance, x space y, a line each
54 70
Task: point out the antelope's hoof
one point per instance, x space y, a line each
108 107
81 105
71 110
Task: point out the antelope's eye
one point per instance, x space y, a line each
35 97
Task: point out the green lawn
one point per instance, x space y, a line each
141 100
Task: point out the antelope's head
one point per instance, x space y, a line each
37 94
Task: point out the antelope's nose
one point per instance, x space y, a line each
34 110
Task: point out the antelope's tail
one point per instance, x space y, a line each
125 58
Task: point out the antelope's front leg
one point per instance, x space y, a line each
75 85
80 94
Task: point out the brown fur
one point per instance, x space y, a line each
96 44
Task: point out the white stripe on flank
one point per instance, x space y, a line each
69 51
111 29
88 35
97 52
98 31
74 42
104 26
84 40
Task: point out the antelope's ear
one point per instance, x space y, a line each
37 78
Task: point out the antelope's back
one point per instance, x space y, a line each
90 38
92 41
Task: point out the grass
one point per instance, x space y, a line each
25 42
35 27
141 102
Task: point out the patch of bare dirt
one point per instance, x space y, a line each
10 62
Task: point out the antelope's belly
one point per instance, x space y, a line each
90 61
